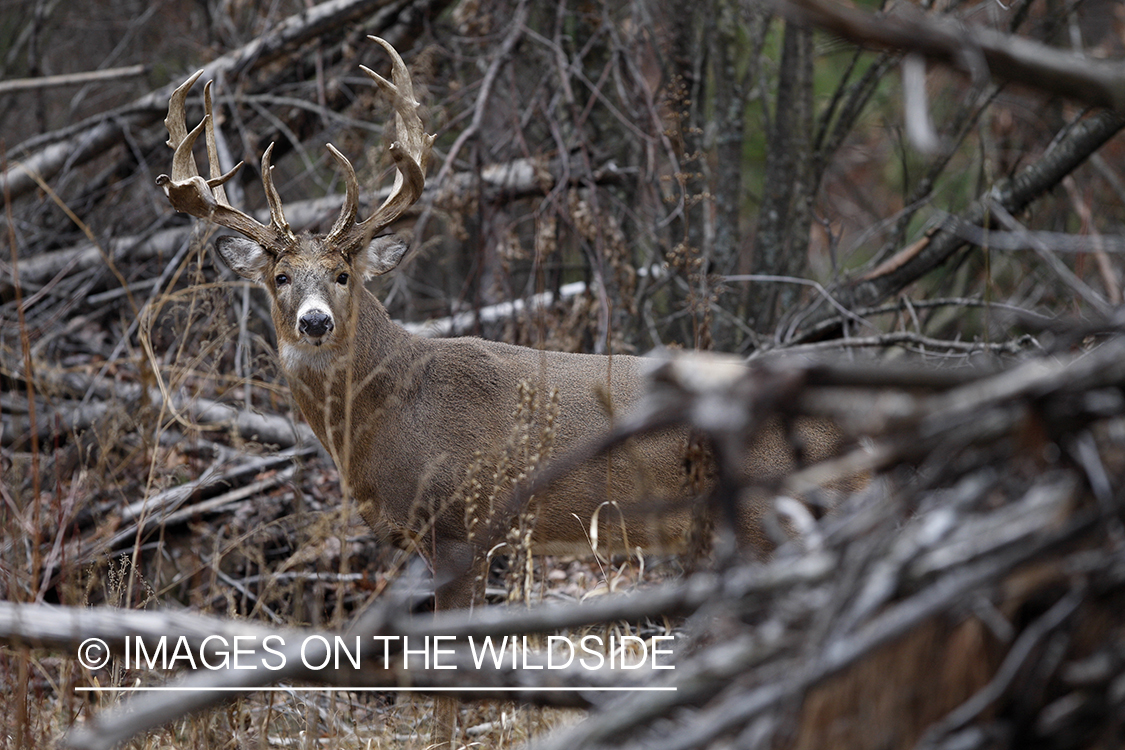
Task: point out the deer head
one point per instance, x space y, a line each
312 280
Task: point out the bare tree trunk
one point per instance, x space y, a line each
730 124
786 211
688 79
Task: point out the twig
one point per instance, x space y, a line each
909 338
71 79
1067 276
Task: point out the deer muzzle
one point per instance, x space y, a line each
315 323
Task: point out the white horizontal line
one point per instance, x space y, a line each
228 689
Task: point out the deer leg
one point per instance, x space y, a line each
445 719
454 574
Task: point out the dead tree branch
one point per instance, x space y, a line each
941 244
978 51
71 79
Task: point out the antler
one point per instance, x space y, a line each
410 153
189 193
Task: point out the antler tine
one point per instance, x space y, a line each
176 121
350 208
410 153
189 193
277 215
213 150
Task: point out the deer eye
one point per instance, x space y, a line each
281 279
342 279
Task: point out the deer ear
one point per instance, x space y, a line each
244 257
380 256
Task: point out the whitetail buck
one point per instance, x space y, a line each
429 434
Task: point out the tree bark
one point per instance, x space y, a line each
730 123
781 245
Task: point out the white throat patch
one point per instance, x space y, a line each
302 359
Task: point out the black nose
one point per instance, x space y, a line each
315 323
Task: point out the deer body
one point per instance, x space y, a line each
410 421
